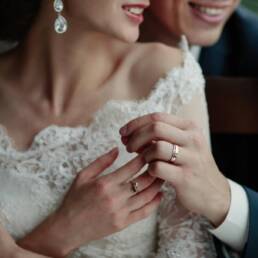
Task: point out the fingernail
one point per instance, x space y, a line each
123 131
125 140
113 151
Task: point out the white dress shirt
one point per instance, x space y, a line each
234 229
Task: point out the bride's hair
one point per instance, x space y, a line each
16 17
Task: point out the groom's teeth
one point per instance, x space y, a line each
211 11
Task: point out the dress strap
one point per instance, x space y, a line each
183 44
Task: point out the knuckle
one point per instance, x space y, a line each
79 178
196 138
101 186
156 117
117 222
156 128
190 124
148 197
129 146
155 168
158 147
145 212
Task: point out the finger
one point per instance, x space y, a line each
145 211
167 172
99 165
163 151
152 118
126 172
143 181
141 199
155 132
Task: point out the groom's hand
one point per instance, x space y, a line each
200 186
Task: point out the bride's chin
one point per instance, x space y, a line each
130 37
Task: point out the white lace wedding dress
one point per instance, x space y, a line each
33 182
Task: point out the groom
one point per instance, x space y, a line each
205 22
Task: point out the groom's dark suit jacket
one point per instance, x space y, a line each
251 248
236 55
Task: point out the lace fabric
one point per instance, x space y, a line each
34 182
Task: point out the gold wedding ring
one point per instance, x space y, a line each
175 152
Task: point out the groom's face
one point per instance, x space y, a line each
202 21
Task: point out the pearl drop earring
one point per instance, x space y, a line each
60 22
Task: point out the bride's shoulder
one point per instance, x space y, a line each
156 59
152 61
148 62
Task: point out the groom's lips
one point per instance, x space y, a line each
211 12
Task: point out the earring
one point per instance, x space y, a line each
60 23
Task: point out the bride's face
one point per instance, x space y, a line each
118 18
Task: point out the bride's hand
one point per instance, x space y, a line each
96 207
200 186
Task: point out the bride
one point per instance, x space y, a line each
68 185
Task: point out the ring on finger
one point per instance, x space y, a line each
134 186
174 153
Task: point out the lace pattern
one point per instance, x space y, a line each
181 233
34 182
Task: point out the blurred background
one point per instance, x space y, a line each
232 98
251 4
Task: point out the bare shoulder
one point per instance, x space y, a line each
152 61
158 57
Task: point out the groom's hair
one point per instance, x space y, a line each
16 18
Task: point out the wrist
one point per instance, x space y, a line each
47 239
219 204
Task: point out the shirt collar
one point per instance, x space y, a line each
196 52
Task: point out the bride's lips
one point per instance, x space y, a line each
135 12
209 11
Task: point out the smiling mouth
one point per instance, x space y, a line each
210 11
134 10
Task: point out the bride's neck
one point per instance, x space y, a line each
59 68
